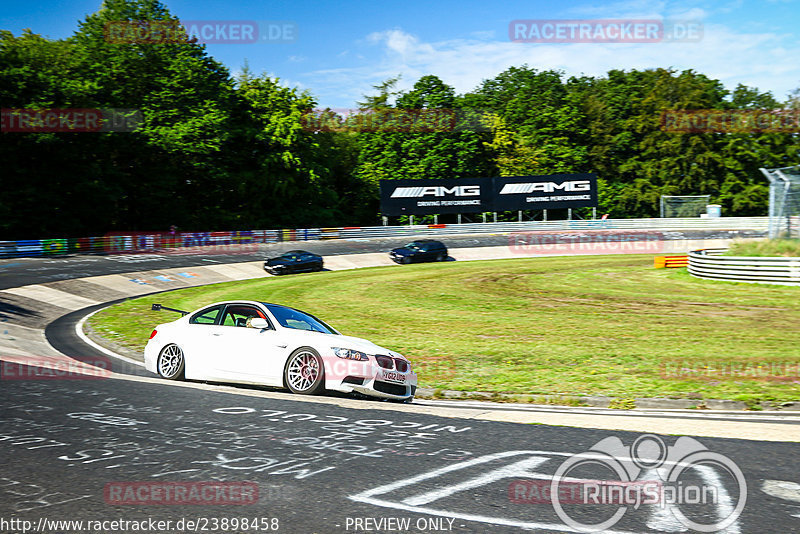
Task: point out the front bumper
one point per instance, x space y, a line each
274 271
368 378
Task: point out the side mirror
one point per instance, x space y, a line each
258 322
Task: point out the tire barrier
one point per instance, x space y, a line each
709 263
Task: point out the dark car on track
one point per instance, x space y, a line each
294 261
420 250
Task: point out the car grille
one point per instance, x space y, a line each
391 389
400 365
384 361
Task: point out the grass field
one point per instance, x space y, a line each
766 247
605 325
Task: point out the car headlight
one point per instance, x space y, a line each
350 354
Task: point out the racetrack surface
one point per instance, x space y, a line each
26 271
318 467
341 465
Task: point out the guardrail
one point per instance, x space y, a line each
693 223
709 263
135 242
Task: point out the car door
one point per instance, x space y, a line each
195 341
308 262
245 354
425 251
295 263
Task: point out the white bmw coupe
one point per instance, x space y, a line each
251 342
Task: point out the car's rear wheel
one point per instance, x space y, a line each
171 363
305 372
441 256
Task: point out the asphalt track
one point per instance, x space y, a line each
25 271
72 449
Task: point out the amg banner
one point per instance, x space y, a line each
545 192
423 197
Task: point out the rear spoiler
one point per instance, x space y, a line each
157 307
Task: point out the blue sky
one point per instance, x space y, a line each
344 48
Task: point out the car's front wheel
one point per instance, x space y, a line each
305 372
171 362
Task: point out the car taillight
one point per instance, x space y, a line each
153 333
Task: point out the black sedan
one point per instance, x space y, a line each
420 250
294 261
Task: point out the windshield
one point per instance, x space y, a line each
413 245
291 318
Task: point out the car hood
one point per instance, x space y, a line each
333 340
403 251
272 262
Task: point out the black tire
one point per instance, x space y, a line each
171 363
441 257
406 260
304 373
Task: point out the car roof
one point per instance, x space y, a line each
253 302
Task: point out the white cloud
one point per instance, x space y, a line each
765 60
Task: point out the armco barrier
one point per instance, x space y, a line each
709 263
694 223
143 242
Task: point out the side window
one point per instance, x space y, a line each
237 315
207 316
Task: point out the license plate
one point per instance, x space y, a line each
391 376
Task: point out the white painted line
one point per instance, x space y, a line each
516 469
782 489
107 352
368 496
